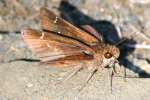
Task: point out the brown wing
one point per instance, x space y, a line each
51 22
53 48
91 30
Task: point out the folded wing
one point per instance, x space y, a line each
51 22
53 48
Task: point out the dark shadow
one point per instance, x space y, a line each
25 59
125 51
7 32
105 28
148 60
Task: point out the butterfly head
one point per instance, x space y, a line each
110 55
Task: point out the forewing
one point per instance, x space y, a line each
91 30
52 47
51 22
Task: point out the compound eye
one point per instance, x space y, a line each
108 55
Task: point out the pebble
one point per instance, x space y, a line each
29 85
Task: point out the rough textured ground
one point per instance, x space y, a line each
114 19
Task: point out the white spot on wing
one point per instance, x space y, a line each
47 44
56 19
59 32
41 37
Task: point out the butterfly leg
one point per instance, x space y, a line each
117 69
74 72
89 78
113 70
91 75
111 79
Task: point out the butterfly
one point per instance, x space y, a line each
62 44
